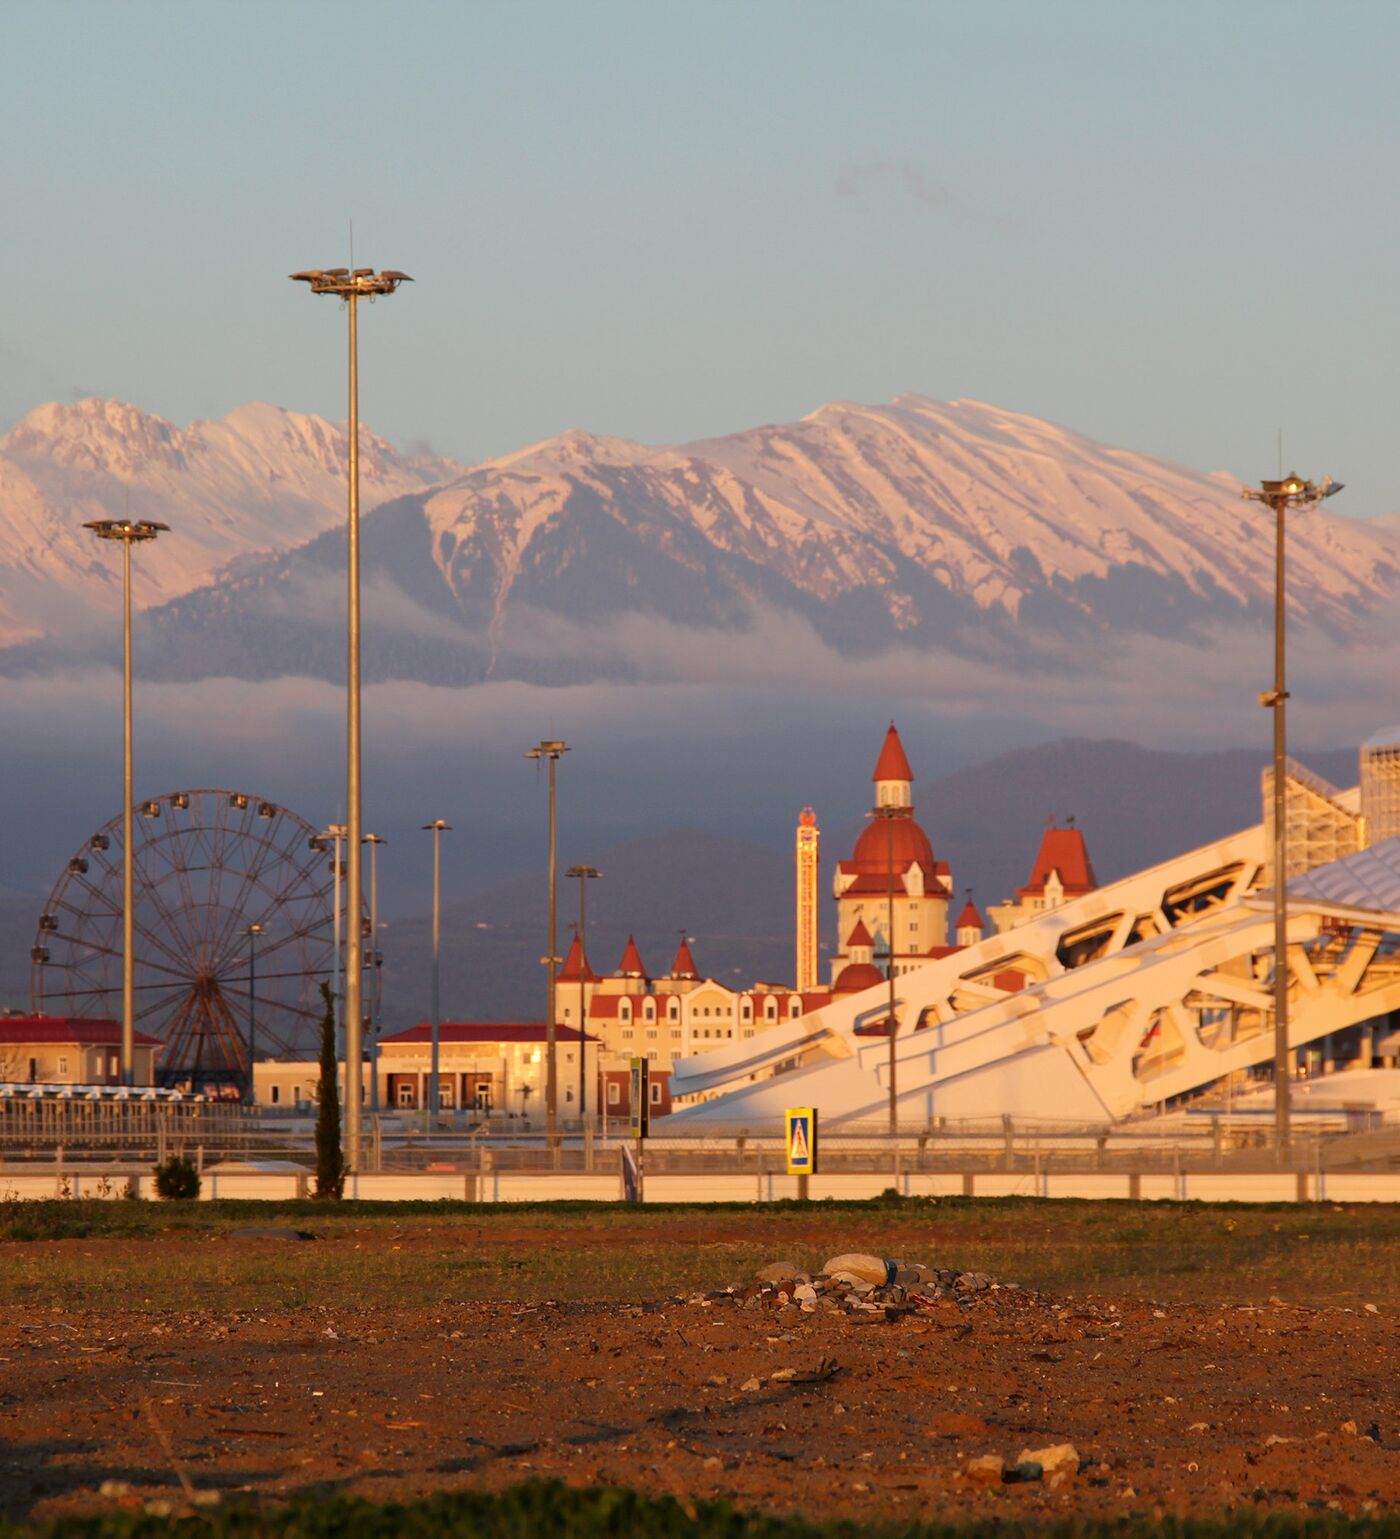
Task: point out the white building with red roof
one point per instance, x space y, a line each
70 1050
1061 873
660 1018
486 1068
893 851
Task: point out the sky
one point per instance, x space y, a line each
1166 226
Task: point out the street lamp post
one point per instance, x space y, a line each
376 967
1290 492
352 287
585 874
889 814
437 828
551 749
129 532
252 932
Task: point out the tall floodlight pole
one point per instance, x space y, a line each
374 841
551 749
433 1100
331 836
352 287
585 874
253 931
129 532
889 814
1291 492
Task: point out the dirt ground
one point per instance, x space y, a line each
1181 1407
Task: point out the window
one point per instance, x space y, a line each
748 1031
656 1095
614 1093
675 1034
405 1093
627 1035
63 1063
276 1094
652 1033
568 1095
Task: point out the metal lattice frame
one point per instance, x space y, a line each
208 865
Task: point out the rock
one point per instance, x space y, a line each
871 1269
1058 1456
1349 1428
804 1293
1024 1472
777 1272
985 1470
783 1375
751 1385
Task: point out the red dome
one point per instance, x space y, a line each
910 842
856 976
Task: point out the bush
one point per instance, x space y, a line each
177 1180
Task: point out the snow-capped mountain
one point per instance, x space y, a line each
263 480
993 535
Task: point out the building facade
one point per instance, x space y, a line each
70 1050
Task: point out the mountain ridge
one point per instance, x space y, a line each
989 534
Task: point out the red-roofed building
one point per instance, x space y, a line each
631 964
489 1068
970 928
1062 871
892 850
684 965
576 968
70 1050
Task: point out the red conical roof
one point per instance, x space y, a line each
631 964
684 965
860 936
1062 850
970 919
576 968
892 764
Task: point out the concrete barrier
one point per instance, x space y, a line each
744 1186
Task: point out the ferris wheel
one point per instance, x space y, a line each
233 923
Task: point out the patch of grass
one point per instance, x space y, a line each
544 1508
168 1256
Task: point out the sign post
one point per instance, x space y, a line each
800 1139
641 1115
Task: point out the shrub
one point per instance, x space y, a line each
177 1179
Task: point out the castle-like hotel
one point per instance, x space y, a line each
892 899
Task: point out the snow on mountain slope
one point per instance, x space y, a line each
262 480
989 535
898 502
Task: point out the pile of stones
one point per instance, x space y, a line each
864 1287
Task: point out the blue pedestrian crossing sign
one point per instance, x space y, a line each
801 1138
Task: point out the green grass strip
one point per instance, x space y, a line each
549 1510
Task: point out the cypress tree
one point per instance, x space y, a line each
330 1161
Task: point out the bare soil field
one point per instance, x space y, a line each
155 1355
